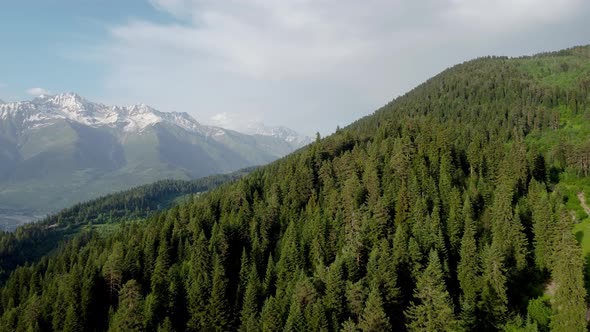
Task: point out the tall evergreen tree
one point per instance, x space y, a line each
433 309
468 274
129 315
494 300
568 275
218 311
374 318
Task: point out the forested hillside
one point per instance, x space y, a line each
32 241
448 209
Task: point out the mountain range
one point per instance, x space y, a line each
63 149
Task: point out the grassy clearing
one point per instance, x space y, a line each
570 185
559 72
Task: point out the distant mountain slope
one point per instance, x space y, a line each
58 150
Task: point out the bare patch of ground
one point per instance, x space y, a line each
582 199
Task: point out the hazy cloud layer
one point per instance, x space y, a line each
36 92
315 64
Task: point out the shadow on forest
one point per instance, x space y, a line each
586 272
553 174
579 236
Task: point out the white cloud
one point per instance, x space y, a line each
258 39
508 14
223 120
38 92
233 121
289 61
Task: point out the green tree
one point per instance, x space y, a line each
568 274
271 316
468 271
249 315
129 315
374 318
494 300
217 310
433 310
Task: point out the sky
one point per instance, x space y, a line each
310 65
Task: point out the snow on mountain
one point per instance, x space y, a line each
45 110
51 138
284 133
253 127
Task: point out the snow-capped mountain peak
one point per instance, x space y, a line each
289 135
253 127
45 110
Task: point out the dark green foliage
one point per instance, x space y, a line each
374 318
432 214
568 274
30 242
539 313
129 315
433 309
468 272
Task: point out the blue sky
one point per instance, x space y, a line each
307 64
41 40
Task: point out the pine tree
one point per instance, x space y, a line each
568 274
271 320
468 274
381 273
249 314
198 285
374 318
494 300
316 317
542 221
113 269
166 326
269 277
71 321
218 311
433 310
334 300
129 315
295 320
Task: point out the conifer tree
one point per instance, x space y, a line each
113 269
271 317
569 305
217 310
494 300
129 315
542 223
334 300
296 321
249 314
374 318
433 309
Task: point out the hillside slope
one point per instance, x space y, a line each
105 214
447 209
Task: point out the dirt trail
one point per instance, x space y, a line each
582 199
